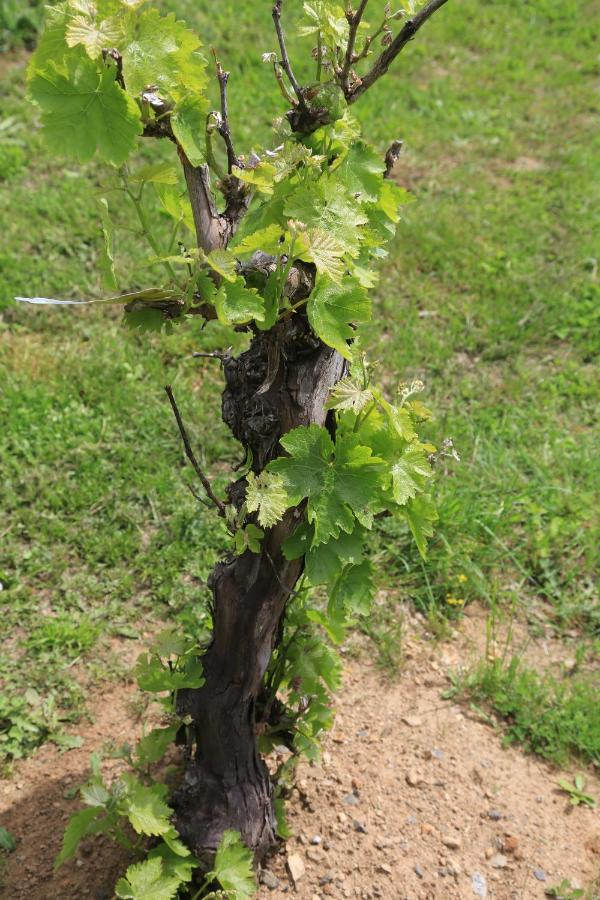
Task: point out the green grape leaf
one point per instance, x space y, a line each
52 45
162 52
224 262
347 394
174 864
326 16
92 35
176 203
153 676
107 258
157 173
144 319
147 881
331 309
310 449
76 830
154 745
261 177
421 515
326 206
335 625
95 793
188 121
237 304
410 473
348 487
267 496
233 866
324 562
298 543
270 297
170 642
145 806
354 590
267 239
362 172
322 249
392 197
248 538
86 111
399 418
338 481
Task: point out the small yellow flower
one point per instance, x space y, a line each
461 578
455 601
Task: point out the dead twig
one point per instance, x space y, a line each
190 454
383 62
354 21
285 60
223 126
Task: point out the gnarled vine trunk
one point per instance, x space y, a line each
282 381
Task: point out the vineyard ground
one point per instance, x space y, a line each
490 296
414 798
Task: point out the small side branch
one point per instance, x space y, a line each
224 129
285 60
190 454
354 21
405 35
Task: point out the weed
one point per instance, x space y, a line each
577 796
564 891
552 717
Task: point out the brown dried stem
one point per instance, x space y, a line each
191 456
384 61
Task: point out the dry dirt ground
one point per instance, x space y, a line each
414 798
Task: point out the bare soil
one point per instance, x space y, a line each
415 798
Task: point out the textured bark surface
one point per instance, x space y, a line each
282 381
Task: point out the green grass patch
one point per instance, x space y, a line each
555 717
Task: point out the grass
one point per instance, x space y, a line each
556 718
490 295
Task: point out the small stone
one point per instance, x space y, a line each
327 878
438 754
479 884
499 861
413 779
359 826
268 879
412 721
426 828
383 867
510 843
351 800
419 871
489 852
451 842
412 820
495 815
539 874
316 839
296 867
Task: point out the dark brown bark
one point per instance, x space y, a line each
282 381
